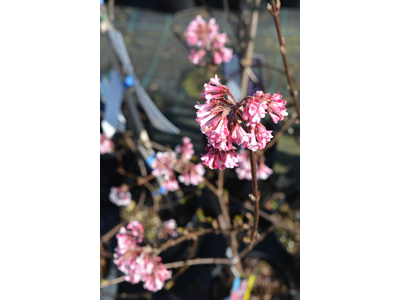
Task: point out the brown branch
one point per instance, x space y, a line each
255 197
271 218
198 261
264 235
226 222
184 268
147 295
106 237
177 264
274 12
112 281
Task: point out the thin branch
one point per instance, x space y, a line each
147 295
177 264
255 197
271 218
226 224
112 281
199 261
264 235
106 237
274 10
184 268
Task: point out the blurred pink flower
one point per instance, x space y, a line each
199 33
222 55
244 169
105 144
186 150
170 227
120 196
205 36
156 273
193 174
136 262
196 56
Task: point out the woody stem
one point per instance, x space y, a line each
256 195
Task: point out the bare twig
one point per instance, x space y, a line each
255 197
177 264
112 281
264 235
271 218
105 238
147 295
226 223
199 261
184 268
274 10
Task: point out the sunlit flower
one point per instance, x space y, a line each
120 195
216 159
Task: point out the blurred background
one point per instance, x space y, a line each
152 31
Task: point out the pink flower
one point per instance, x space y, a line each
139 263
214 90
186 150
219 40
216 159
222 55
239 135
163 164
254 110
156 278
258 138
120 195
196 56
105 144
137 230
263 171
193 174
171 184
275 105
244 169
170 227
200 33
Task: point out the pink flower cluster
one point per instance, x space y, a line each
205 36
165 163
220 120
169 228
105 144
137 262
244 169
120 195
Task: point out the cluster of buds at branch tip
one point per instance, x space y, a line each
139 262
206 37
165 163
221 120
